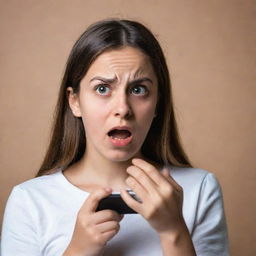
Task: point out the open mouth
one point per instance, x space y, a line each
119 134
120 137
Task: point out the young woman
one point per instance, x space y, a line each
115 130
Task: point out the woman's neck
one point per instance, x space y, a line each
91 173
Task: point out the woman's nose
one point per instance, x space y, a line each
122 107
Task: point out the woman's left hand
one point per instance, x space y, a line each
161 196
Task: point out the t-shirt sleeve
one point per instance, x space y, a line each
19 234
210 232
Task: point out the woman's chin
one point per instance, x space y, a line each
122 156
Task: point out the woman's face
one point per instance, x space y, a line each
117 102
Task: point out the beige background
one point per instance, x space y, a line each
210 46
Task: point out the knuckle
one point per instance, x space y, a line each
101 193
158 203
112 233
130 180
116 226
151 170
138 175
94 194
110 214
98 194
92 233
168 191
135 172
97 238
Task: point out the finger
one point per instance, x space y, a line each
91 203
106 236
136 187
166 173
107 215
108 226
142 179
132 203
150 170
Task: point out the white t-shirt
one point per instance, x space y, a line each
40 216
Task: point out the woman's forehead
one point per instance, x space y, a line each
126 59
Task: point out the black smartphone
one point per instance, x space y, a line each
116 203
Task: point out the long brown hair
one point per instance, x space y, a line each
67 145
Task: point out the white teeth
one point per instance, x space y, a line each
116 138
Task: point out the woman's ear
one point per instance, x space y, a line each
73 101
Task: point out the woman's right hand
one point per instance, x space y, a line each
93 229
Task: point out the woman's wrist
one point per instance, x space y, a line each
70 252
177 242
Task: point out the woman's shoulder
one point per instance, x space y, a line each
49 185
187 172
41 181
194 178
31 193
44 190
45 186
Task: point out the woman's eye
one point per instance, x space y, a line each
102 89
139 90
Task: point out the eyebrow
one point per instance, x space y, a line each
112 80
140 80
104 79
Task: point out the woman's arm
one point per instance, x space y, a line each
210 230
161 206
19 234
